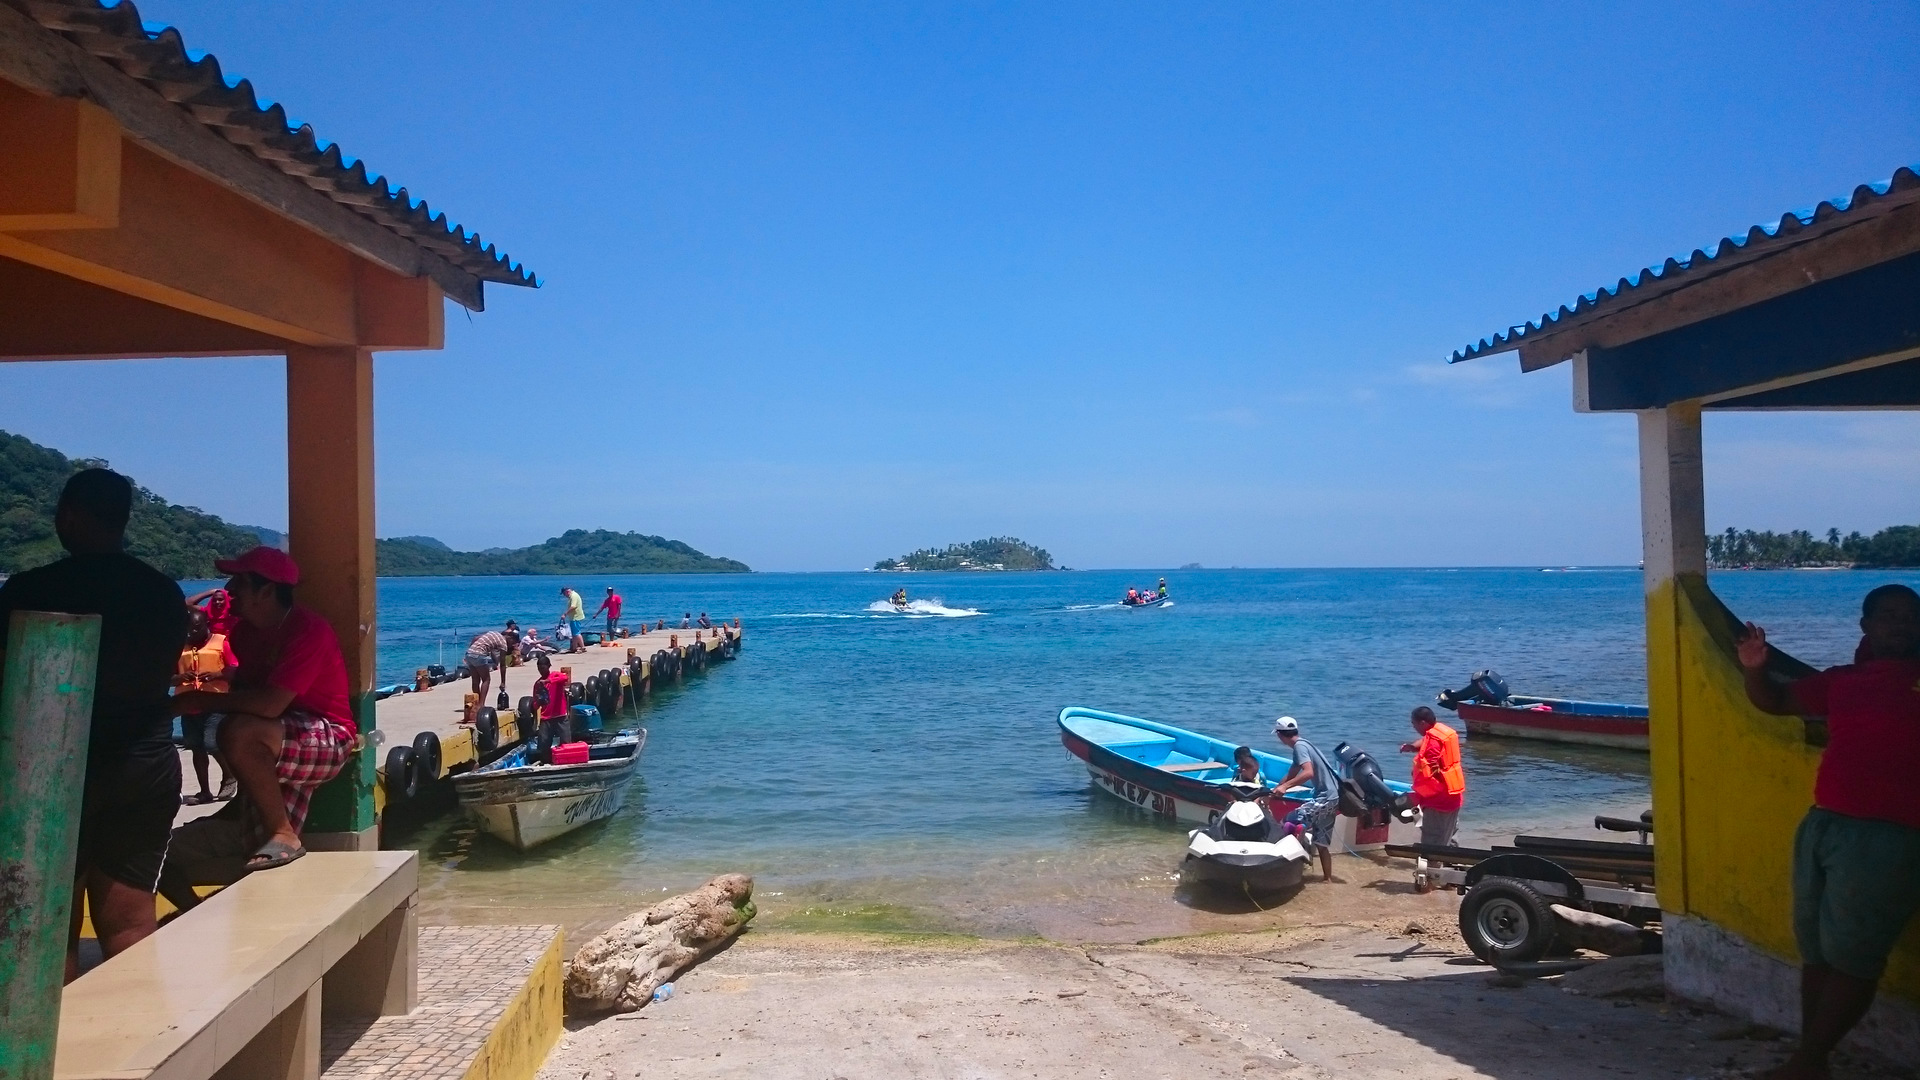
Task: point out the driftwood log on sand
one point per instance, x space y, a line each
619 970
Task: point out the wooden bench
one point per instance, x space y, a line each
235 988
1198 766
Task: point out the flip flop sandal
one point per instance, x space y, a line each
274 854
228 790
196 799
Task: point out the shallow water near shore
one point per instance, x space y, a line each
902 771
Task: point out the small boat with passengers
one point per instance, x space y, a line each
1183 775
526 800
1487 708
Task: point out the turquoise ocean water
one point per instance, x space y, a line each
906 769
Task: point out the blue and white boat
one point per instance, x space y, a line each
1181 775
526 802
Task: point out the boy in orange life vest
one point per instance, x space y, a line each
1439 783
208 664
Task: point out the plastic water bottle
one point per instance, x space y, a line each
663 992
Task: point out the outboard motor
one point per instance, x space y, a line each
1374 792
1485 688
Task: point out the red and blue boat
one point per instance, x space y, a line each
1486 708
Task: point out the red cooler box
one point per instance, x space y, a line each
573 753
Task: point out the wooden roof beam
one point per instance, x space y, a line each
42 61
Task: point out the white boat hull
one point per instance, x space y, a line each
535 821
1349 834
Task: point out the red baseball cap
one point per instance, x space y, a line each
269 562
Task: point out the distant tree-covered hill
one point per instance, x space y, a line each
577 551
184 542
995 553
1898 545
178 540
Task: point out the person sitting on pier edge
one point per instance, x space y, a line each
686 620
1856 856
207 663
131 789
488 650
289 723
1439 783
550 697
575 616
705 623
1310 767
611 606
1246 768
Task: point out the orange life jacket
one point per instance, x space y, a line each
1449 784
204 665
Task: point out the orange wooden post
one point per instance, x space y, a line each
330 534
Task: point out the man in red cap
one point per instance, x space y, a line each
289 725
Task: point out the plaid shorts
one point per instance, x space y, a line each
1317 816
312 751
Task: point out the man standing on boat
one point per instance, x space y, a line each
550 697
1439 783
1310 767
1856 857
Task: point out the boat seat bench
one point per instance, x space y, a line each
236 987
1197 766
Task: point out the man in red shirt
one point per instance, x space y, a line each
550 694
1856 858
611 605
289 725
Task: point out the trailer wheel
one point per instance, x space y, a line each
1505 920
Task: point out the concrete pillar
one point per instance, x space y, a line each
331 535
1673 543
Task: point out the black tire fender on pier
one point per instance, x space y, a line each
592 688
403 775
1506 921
576 694
526 713
486 731
426 756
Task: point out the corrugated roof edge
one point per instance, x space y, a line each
1793 227
160 60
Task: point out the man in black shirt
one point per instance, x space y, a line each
133 772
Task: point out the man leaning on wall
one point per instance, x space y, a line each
1856 857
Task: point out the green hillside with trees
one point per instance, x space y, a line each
994 553
178 540
183 541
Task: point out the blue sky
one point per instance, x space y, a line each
1145 284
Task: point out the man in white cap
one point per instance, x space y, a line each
1310 767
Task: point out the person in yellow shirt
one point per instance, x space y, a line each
575 616
207 663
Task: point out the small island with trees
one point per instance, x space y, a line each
1745 549
994 553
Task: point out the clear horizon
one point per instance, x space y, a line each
1139 285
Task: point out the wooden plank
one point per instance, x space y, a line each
40 60
46 703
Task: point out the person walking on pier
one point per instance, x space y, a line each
488 650
1856 856
289 723
611 606
575 616
1310 767
1439 783
132 786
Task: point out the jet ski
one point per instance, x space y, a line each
1246 848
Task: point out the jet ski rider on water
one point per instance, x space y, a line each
900 598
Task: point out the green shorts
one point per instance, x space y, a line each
1855 885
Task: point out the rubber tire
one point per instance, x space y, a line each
591 688
526 711
1506 921
576 694
403 774
426 753
486 731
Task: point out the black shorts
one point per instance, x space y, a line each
126 816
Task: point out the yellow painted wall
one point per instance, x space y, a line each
529 1026
1737 780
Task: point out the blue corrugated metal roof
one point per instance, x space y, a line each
1793 227
157 57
